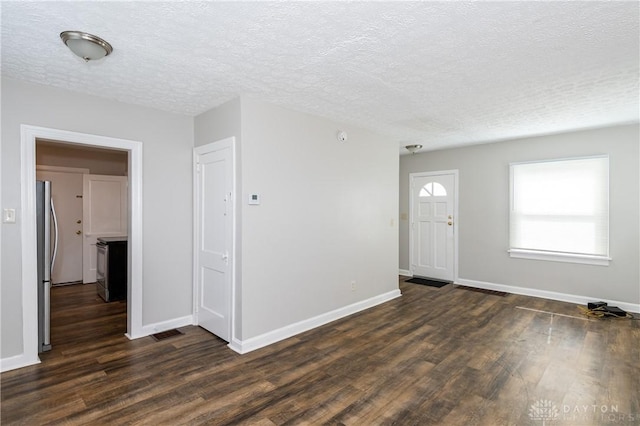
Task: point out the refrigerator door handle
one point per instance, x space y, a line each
55 235
46 232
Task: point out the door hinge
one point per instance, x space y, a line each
198 167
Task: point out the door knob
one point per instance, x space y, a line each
449 223
78 232
78 221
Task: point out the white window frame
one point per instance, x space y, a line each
599 260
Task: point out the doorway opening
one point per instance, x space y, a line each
133 149
89 191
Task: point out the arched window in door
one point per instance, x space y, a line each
433 189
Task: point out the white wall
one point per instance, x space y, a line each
484 212
167 219
328 216
218 123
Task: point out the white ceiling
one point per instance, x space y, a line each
440 74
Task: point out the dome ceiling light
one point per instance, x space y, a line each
87 46
413 148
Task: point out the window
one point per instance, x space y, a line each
433 188
560 210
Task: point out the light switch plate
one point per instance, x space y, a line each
9 216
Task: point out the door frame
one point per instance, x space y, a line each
28 135
229 142
456 216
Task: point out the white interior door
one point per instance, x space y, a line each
214 237
433 225
66 192
104 200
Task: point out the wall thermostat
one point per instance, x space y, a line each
254 199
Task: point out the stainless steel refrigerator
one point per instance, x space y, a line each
47 234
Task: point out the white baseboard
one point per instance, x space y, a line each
544 294
17 361
159 327
405 273
253 343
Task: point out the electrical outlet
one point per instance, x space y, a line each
9 216
353 286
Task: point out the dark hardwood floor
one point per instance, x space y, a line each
441 356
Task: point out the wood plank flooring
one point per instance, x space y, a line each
435 356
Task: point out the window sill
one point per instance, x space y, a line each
560 257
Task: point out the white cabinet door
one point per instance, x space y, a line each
104 200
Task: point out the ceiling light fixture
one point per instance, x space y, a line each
413 148
87 46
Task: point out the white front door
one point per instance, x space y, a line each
214 237
105 214
433 224
66 192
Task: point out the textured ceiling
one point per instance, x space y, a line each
437 73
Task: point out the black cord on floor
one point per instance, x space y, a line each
601 312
